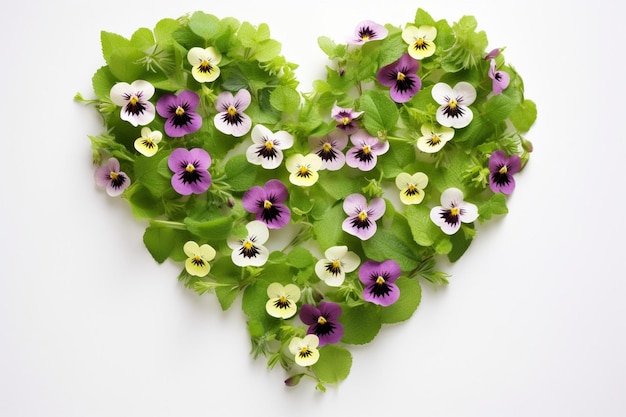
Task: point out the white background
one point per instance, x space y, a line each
532 323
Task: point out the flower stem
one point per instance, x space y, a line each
168 224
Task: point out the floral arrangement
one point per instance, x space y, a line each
324 211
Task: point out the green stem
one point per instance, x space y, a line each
168 224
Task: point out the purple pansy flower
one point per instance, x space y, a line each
365 151
361 221
379 279
453 211
330 148
110 177
345 117
231 119
179 110
493 53
136 109
501 171
267 203
190 167
322 321
401 77
500 79
367 31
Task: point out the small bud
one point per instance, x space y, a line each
293 380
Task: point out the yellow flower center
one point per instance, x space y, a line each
232 111
345 121
133 100
303 171
113 175
435 139
336 264
180 111
190 168
269 145
366 149
321 320
362 216
400 76
267 204
452 104
327 147
247 245
454 211
380 280
503 170
420 43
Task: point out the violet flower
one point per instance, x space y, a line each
401 77
110 177
501 171
322 321
133 98
379 279
190 167
330 148
179 110
500 79
361 221
345 117
267 203
365 151
453 211
231 119
368 30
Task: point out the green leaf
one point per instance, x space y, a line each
267 50
361 323
333 365
496 205
524 116
381 113
112 42
142 39
124 64
159 241
147 173
386 244
143 203
403 309
215 229
204 25
240 174
327 230
247 35
460 242
499 107
285 99
424 231
102 81
300 258
228 273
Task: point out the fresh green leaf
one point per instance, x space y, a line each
403 309
333 365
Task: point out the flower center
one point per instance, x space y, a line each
267 204
454 211
305 352
205 66
400 76
327 147
190 168
420 44
367 149
304 172
321 320
503 170
231 111
197 260
113 175
334 267
346 121
435 140
452 104
133 100
269 145
411 190
362 215
180 111
282 302
380 280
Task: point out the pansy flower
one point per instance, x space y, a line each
361 221
198 258
454 111
133 98
179 110
322 321
420 40
332 270
267 203
345 118
204 63
500 79
267 147
190 167
305 349
250 251
401 77
110 177
453 211
411 187
368 30
282 300
379 279
493 53
231 119
433 139
501 170
303 169
364 154
148 143
330 148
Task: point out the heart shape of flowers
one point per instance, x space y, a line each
412 139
